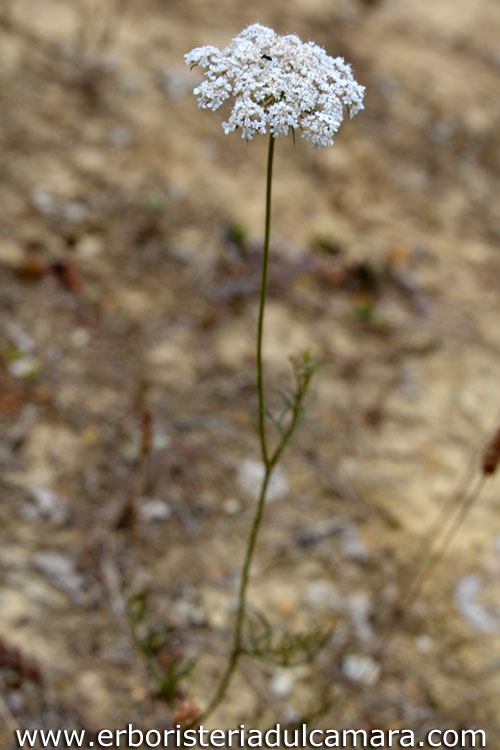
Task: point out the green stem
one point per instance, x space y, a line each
262 303
269 464
237 650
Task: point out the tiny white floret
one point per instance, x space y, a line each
277 84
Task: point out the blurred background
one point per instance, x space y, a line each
130 238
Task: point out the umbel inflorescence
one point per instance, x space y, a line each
278 83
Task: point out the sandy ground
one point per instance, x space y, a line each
130 234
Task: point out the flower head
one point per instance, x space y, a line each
277 82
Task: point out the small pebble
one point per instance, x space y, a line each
25 367
231 506
43 202
185 613
74 211
21 340
45 504
154 510
60 570
80 337
360 609
281 684
250 474
322 595
466 594
352 544
361 669
120 136
424 644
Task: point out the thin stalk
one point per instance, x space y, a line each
268 463
440 546
236 650
444 543
262 303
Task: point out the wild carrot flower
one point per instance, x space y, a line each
278 83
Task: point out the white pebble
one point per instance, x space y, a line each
250 474
281 684
154 511
362 669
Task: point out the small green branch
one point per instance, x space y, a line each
304 368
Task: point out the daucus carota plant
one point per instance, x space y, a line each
277 85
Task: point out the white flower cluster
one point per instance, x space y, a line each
277 82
